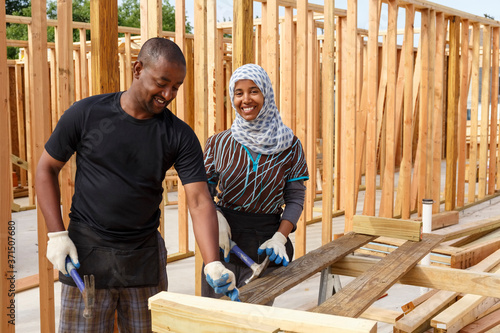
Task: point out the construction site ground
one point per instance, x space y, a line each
181 274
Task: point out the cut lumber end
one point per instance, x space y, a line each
389 227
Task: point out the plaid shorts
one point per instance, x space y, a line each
131 305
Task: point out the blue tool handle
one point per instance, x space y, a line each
70 268
242 255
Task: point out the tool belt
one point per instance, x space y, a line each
114 263
251 230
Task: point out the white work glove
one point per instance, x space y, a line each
221 279
275 249
224 235
59 247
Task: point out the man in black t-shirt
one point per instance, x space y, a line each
124 144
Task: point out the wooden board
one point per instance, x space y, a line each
460 230
443 219
389 227
265 289
359 294
187 313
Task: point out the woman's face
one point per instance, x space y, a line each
248 99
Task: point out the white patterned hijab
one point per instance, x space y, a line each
266 134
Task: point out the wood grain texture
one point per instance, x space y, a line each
388 227
276 283
359 294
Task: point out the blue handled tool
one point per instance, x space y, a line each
256 268
87 287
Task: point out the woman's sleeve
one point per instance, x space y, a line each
299 165
294 195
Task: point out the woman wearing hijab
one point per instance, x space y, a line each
256 170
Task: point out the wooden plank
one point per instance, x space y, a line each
485 113
276 283
410 306
359 294
286 75
462 107
443 219
492 165
371 123
338 184
328 120
32 281
104 26
7 300
383 315
40 120
151 21
460 230
380 226
482 325
474 254
245 316
242 33
474 113
84 77
452 114
301 107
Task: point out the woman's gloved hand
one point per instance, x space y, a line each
275 249
59 247
224 235
221 279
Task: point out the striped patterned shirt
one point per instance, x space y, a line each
248 184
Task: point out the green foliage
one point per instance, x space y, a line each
17 32
489 17
15 6
81 13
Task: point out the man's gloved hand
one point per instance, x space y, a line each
59 247
275 249
224 235
221 279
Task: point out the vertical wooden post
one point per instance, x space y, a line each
201 100
104 26
438 109
338 181
7 232
272 45
472 174
387 201
301 107
21 120
485 113
406 162
212 65
493 166
287 59
432 142
40 120
242 32
328 113
151 21
452 115
371 123
84 77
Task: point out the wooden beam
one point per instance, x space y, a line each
443 219
474 113
104 26
492 165
187 313
242 32
484 324
7 233
276 283
460 230
353 299
151 20
388 227
485 113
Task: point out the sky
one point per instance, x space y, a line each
476 7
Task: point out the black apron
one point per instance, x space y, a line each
251 230
114 263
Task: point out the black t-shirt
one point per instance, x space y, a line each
121 163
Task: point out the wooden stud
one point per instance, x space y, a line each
338 183
242 32
40 116
287 75
272 45
388 227
492 165
151 20
21 120
474 113
485 113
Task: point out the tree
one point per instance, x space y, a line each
16 6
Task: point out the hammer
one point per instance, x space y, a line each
87 288
256 268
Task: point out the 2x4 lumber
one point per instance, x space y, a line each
371 122
301 107
468 281
40 120
338 180
287 72
272 45
151 21
383 315
471 255
349 120
462 107
251 314
212 66
410 306
483 324
460 230
29 131
492 165
474 113
388 227
7 300
406 162
485 114
276 283
21 122
359 294
104 26
84 73
328 113
201 100
181 101
242 33
443 219
452 114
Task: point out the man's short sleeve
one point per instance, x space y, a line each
189 162
64 140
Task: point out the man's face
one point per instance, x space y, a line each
160 80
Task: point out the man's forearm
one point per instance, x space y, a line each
49 199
